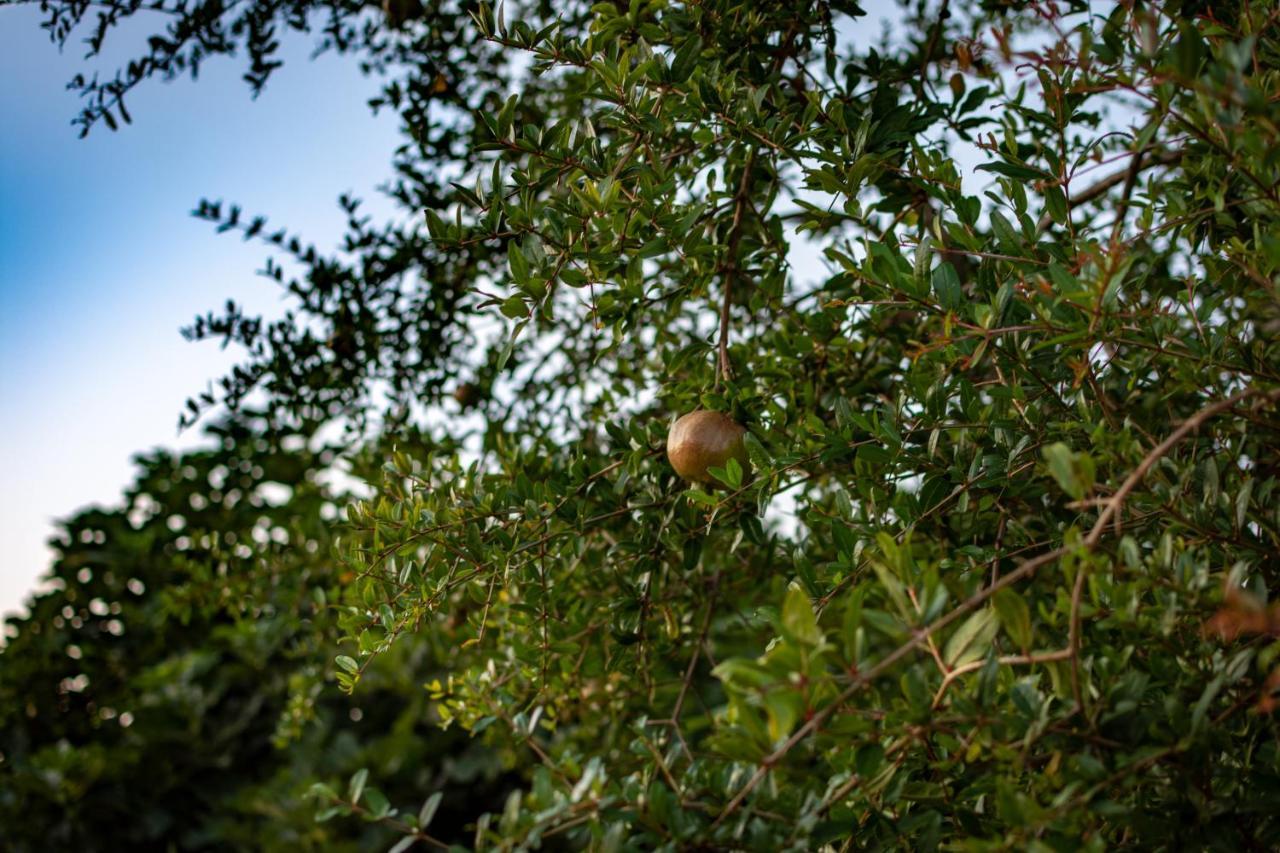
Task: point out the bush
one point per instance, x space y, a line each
997 573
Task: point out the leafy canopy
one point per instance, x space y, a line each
994 294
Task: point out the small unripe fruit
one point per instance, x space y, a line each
702 440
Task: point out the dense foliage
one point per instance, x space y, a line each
994 294
172 685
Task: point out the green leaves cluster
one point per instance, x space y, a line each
1012 445
941 643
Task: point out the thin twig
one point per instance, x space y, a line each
697 651
1130 178
926 56
1073 637
731 264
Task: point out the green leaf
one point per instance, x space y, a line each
686 59
329 813
784 706
1007 237
946 286
798 620
518 263
428 811
700 497
356 786
515 307
756 452
1242 502
348 663
376 802
868 760
321 791
972 639
893 586
1211 482
1189 50
733 473
1201 708
1055 202
1015 616
1073 471
741 673
874 454
924 255
505 355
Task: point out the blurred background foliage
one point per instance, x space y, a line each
172 687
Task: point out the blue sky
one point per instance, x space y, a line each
101 263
